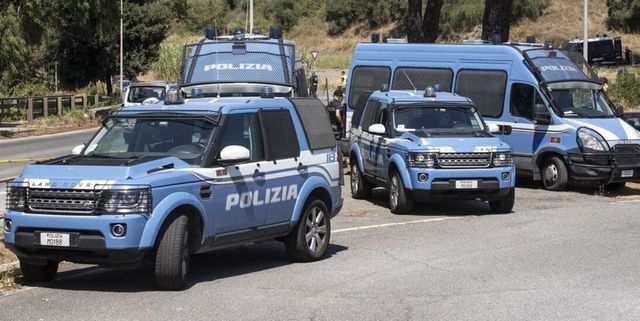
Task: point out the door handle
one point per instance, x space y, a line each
258 174
303 169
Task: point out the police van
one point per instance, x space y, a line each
548 103
188 178
429 147
241 65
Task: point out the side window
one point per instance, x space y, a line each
279 134
522 101
366 79
485 87
369 114
380 115
421 78
242 130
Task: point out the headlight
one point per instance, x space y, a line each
427 160
502 159
16 197
590 141
127 200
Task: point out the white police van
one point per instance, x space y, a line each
548 103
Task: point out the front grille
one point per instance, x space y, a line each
62 201
463 160
627 155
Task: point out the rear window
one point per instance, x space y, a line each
279 134
140 94
420 78
366 79
485 87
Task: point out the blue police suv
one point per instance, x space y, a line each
427 148
166 181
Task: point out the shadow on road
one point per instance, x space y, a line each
207 267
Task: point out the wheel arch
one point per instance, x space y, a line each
314 186
397 163
542 155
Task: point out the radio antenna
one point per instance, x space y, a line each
215 23
409 79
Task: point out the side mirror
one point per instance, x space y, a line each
77 150
378 129
234 153
542 119
493 128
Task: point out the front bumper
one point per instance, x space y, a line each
608 167
92 241
441 184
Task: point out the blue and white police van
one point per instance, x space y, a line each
426 148
242 64
548 103
166 181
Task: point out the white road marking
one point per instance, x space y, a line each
367 227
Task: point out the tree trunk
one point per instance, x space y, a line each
496 19
414 21
431 21
107 81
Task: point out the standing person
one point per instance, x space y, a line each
605 84
343 79
333 108
313 82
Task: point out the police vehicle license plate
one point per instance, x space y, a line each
54 239
627 173
466 184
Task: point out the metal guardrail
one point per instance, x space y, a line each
35 107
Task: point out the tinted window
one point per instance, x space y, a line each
421 78
522 100
486 89
279 134
139 94
366 79
369 114
242 130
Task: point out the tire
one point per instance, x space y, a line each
400 201
504 205
554 174
315 223
39 273
173 256
615 187
360 187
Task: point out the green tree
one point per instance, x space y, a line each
624 15
13 53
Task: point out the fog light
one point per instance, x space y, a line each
7 225
422 177
118 230
505 176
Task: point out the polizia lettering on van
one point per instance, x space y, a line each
246 66
258 198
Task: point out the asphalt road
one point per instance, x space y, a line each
39 146
559 256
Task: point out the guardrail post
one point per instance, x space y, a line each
96 99
29 109
45 106
72 102
59 102
85 103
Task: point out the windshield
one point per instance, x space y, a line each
245 61
560 65
131 138
436 120
140 94
582 102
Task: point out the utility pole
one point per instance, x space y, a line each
121 51
585 32
55 75
250 16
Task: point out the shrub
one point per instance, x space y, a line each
624 91
168 65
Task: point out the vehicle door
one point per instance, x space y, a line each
365 139
526 136
380 152
284 170
235 204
